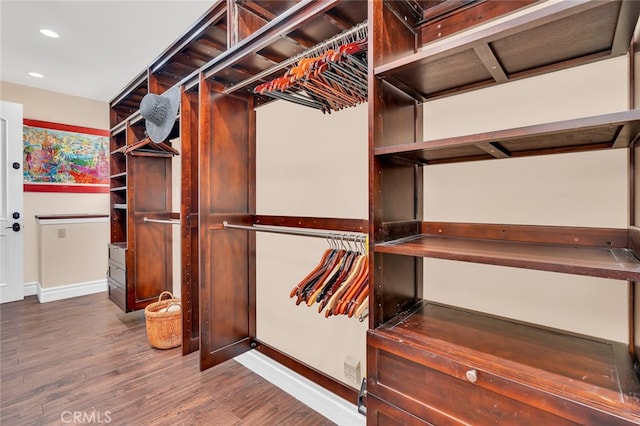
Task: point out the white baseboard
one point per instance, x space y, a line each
31 289
316 397
72 290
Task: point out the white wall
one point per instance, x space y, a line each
308 164
583 189
59 108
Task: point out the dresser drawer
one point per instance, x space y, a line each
117 293
444 392
380 413
117 273
117 253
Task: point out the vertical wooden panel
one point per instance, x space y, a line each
189 223
634 289
153 187
394 38
397 186
227 192
396 279
400 119
150 244
225 327
634 197
152 271
153 83
247 23
228 171
401 182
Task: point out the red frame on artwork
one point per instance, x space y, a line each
44 187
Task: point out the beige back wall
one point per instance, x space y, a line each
62 244
308 164
59 108
584 189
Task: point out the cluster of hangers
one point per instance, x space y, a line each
161 147
328 77
339 283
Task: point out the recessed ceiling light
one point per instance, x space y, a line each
49 33
35 74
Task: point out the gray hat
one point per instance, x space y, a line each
159 112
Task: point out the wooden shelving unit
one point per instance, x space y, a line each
418 51
141 176
217 64
504 370
266 35
140 185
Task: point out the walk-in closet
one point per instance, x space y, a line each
458 175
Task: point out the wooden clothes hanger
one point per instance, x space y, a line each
295 291
328 77
338 283
161 147
334 259
359 274
340 274
345 272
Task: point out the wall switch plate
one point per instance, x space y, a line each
62 233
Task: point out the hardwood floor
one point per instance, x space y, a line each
83 360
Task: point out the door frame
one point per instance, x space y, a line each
12 285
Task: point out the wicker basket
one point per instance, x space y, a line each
164 328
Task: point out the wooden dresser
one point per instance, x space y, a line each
452 366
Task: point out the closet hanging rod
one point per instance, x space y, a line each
357 238
313 51
169 221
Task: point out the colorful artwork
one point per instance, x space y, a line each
65 158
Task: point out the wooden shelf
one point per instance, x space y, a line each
297 28
542 39
151 153
605 262
534 357
128 101
198 46
615 130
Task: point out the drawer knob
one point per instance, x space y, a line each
471 375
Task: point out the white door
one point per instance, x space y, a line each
11 234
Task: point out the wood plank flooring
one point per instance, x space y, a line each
83 360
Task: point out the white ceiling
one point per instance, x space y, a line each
103 45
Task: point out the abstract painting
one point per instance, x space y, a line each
65 158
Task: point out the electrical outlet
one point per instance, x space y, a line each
62 233
352 370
